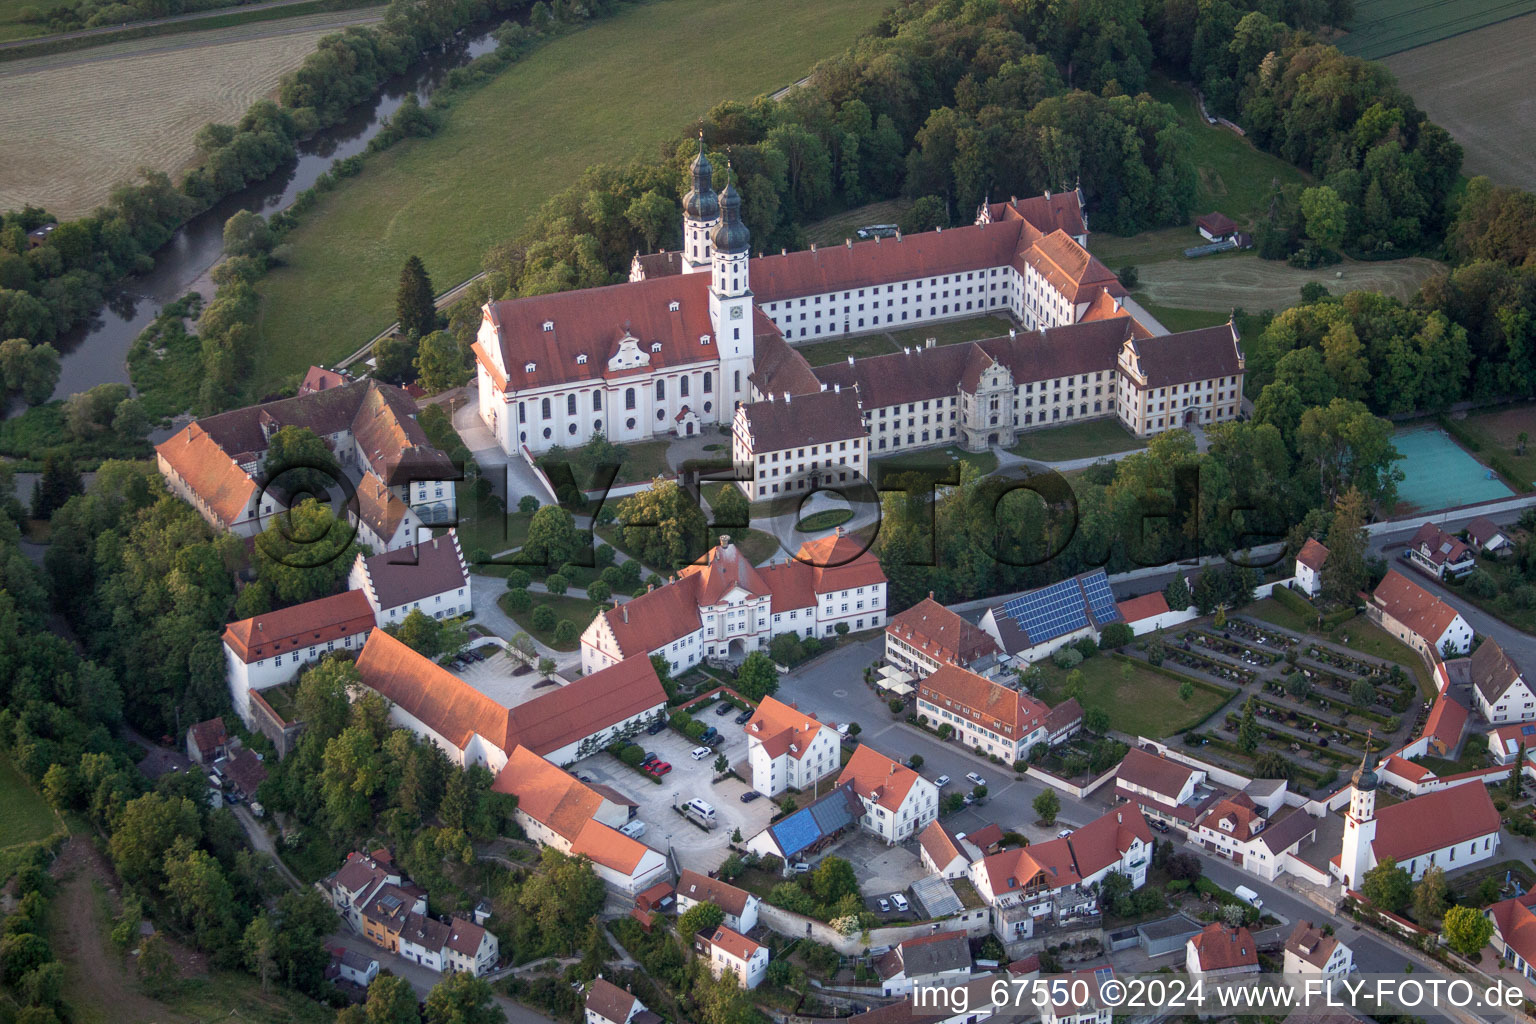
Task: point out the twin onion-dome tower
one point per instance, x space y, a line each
716 240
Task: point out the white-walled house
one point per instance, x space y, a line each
1503 695
1418 618
266 650
431 577
898 802
1309 567
606 1003
730 952
1310 952
942 959
987 716
788 748
739 905
1220 951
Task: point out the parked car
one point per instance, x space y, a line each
941 781
700 753
885 905
974 779
900 902
725 707
744 717
799 867
1063 833
710 735
1160 826
648 760
749 796
634 829
661 768
656 727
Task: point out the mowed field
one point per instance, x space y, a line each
1244 280
610 92
25 816
1477 86
1381 28
74 125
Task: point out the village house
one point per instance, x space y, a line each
813 827
1309 567
1502 693
1488 537
1085 1003
1163 788
556 809
1052 883
968 1003
1506 742
431 577
1310 951
928 635
1447 828
1514 932
1418 618
799 444
942 959
724 607
1215 226
788 749
1149 613
266 650
357 881
1444 727
985 715
950 854
206 740
1221 951
355 968
739 905
606 1003
1036 624
1438 554
730 952
898 802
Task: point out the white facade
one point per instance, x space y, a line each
431 959
1337 967
243 676
1308 580
1516 704
749 970
917 809
783 762
481 961
476 750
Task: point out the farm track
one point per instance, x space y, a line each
1476 86
79 124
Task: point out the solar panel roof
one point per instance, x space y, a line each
1061 608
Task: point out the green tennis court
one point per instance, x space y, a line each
1438 473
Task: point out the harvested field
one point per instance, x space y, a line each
1475 86
1245 280
1382 27
71 136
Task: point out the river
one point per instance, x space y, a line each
96 352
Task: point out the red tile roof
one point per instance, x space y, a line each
587 706
941 634
379 507
722 569
822 418
1220 948
418 571
1144 607
1202 354
1434 821
657 617
209 735
1482 530
1447 720
1055 211
609 847
783 728
431 694
1493 672
1516 925
1413 606
989 704
940 844
1405 769
1068 267
209 472
1238 813
1438 546
1107 838
556 799
300 626
320 379
1153 771
839 562
1308 942
734 943
610 1002
776 366
464 936
1218 224
878 778
1312 555
702 888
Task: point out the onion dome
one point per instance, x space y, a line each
731 235
700 203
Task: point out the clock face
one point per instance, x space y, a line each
735 312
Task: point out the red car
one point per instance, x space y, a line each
660 768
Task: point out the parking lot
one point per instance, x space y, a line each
694 847
496 677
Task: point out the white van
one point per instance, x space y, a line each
700 753
634 829
1248 896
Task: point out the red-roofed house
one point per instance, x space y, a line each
929 635
739 905
730 952
1446 722
1162 787
1418 618
985 715
269 649
1309 567
1506 743
1488 536
723 606
1145 613
1503 695
788 748
431 577
898 802
1438 554
1514 933
606 1003
1220 951
1215 227
941 959
206 740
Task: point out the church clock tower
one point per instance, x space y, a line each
701 213
730 302
1356 858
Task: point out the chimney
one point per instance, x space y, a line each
823 385
813 247
929 343
848 243
784 252
898 234
938 230
1119 819
850 360
626 612
786 397
906 350
1012 333
837 389
877 239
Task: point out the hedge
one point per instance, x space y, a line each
1296 603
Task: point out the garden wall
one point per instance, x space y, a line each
1221 775
975 923
1057 782
284 735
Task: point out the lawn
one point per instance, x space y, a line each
1367 637
492 533
1274 612
578 609
643 460
25 816
1077 441
823 353
1498 432
839 227
1140 702
932 458
1179 320
759 547
607 93
952 332
817 522
283 700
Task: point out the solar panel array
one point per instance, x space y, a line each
1064 607
796 832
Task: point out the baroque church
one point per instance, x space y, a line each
708 335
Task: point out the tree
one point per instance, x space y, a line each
1115 635
415 307
157 967
731 509
1096 720
1387 886
259 947
1430 897
462 998
41 373
305 553
440 364
1186 691
722 764
566 633
553 538
58 483
1220 621
247 234
1047 805
1272 765
544 618
651 215
757 678
599 591
1344 570
394 359
1466 931
527 504
1512 786
1177 593
546 667
927 213
1362 694
700 917
1298 686
1248 733
663 525
298 461
391 1000
1327 218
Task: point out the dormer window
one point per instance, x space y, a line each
581 359
673 306
655 346
549 325
528 367
703 339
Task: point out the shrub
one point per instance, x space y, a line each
566 632
543 618
1067 657
896 705
519 601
